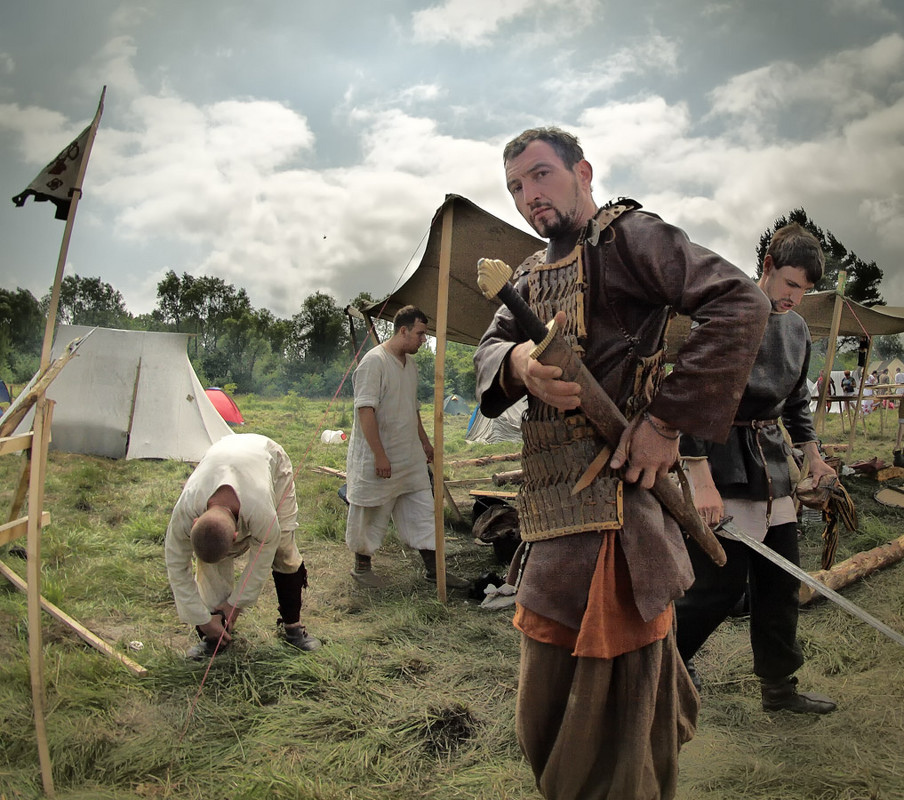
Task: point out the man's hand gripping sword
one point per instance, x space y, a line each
493 279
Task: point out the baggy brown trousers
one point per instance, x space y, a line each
604 729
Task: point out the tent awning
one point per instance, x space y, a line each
476 234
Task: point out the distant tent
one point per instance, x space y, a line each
505 428
4 393
130 394
455 405
223 403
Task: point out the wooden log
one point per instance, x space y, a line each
484 460
502 495
856 567
512 476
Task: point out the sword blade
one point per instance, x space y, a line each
732 531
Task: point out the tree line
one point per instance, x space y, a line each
231 343
311 353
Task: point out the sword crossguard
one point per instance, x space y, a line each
541 346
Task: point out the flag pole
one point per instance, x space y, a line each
40 439
67 233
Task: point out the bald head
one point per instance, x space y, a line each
213 534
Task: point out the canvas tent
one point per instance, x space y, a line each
505 428
455 405
130 394
225 405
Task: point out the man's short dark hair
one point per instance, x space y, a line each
794 246
566 145
406 316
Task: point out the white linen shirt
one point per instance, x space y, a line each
260 472
381 382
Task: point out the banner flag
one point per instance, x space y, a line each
62 177
56 182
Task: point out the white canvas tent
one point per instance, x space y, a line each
130 394
505 428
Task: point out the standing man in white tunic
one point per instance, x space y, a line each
389 452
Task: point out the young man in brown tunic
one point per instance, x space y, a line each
604 703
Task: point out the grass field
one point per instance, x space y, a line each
409 697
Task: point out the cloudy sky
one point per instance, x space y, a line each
290 146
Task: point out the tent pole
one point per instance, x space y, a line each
820 420
439 391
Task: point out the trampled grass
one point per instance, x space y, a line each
409 697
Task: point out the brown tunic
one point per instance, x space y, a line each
639 268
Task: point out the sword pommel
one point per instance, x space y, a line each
492 275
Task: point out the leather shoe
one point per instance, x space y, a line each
368 578
299 637
782 695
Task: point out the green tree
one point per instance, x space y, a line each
21 334
89 301
318 333
863 279
199 305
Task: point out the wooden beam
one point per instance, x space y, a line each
15 444
43 416
19 527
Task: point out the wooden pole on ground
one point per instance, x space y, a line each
439 382
820 419
856 567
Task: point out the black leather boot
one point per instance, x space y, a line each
782 695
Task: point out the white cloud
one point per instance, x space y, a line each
41 133
872 8
7 64
470 23
474 23
843 86
573 88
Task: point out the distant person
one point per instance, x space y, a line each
899 381
848 388
831 393
388 455
885 388
872 380
240 499
748 479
